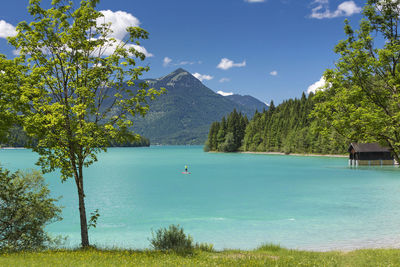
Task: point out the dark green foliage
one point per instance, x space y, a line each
227 135
172 238
229 144
137 142
286 128
18 138
25 209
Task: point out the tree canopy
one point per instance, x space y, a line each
76 86
361 97
286 128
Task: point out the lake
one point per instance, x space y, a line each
231 200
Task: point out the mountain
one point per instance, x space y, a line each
248 101
184 113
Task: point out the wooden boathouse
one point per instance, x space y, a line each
369 154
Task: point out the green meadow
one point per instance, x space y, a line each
264 256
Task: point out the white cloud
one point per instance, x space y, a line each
273 73
6 29
185 63
120 21
140 49
348 8
322 11
224 93
316 86
226 64
202 77
223 80
254 1
113 45
166 61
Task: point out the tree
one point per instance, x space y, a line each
25 209
77 88
361 98
10 70
229 143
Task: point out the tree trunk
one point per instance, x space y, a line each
82 213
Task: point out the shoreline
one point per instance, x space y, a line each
11 147
295 154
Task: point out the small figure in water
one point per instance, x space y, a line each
186 168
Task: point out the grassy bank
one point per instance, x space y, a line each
267 256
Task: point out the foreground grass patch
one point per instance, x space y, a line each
268 255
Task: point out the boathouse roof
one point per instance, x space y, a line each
368 147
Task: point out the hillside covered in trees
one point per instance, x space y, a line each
183 114
18 138
286 128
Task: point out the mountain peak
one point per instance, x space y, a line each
176 72
180 76
179 70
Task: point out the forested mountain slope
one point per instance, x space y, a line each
185 112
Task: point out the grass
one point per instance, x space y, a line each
266 255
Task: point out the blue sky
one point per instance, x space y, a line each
271 49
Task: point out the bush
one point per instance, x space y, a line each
25 210
172 238
269 247
204 247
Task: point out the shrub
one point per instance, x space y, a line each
172 238
204 247
25 210
269 247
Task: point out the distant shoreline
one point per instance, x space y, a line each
296 154
241 152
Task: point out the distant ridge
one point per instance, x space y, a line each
247 101
185 112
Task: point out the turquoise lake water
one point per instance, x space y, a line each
230 200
